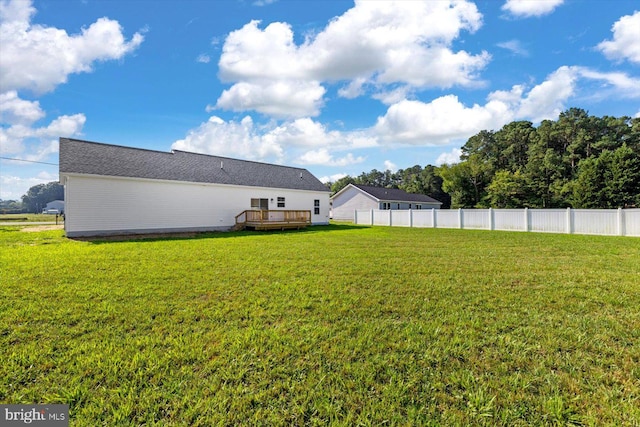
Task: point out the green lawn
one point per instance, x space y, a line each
337 325
28 217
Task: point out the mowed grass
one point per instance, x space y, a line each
336 325
29 217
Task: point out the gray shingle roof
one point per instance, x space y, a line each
395 195
84 157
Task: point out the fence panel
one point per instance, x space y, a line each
401 218
631 218
510 219
446 218
548 220
381 217
479 219
580 221
601 221
423 218
363 217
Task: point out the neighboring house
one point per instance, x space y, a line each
359 197
54 207
113 189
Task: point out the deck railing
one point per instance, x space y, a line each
273 218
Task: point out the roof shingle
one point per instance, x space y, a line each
85 157
395 194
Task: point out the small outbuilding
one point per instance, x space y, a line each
362 197
111 189
54 207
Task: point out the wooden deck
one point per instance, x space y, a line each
273 220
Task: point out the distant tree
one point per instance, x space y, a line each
10 206
508 190
39 195
341 183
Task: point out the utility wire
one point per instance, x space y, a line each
29 161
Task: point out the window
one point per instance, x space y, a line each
262 204
418 206
386 205
281 202
316 207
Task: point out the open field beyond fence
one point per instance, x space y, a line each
341 325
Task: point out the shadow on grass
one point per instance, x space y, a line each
155 237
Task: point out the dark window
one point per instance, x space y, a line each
281 202
316 207
262 204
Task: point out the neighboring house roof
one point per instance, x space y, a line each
393 195
84 157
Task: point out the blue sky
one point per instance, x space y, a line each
334 86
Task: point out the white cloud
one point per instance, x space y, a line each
323 157
374 44
449 158
547 100
626 40
44 139
274 98
527 8
445 120
617 82
303 140
515 47
39 58
332 178
203 58
439 122
263 2
18 111
234 139
13 187
390 166
637 116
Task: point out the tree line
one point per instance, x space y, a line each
35 199
578 161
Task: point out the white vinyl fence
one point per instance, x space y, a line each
609 222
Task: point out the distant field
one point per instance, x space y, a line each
28 217
337 325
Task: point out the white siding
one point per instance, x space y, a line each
350 200
103 205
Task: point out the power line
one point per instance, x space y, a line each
29 161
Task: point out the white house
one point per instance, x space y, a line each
55 206
361 197
112 189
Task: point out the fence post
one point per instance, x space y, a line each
621 224
460 220
410 218
526 220
492 223
371 217
433 217
355 216
569 222
390 217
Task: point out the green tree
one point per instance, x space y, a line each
39 195
341 183
508 190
